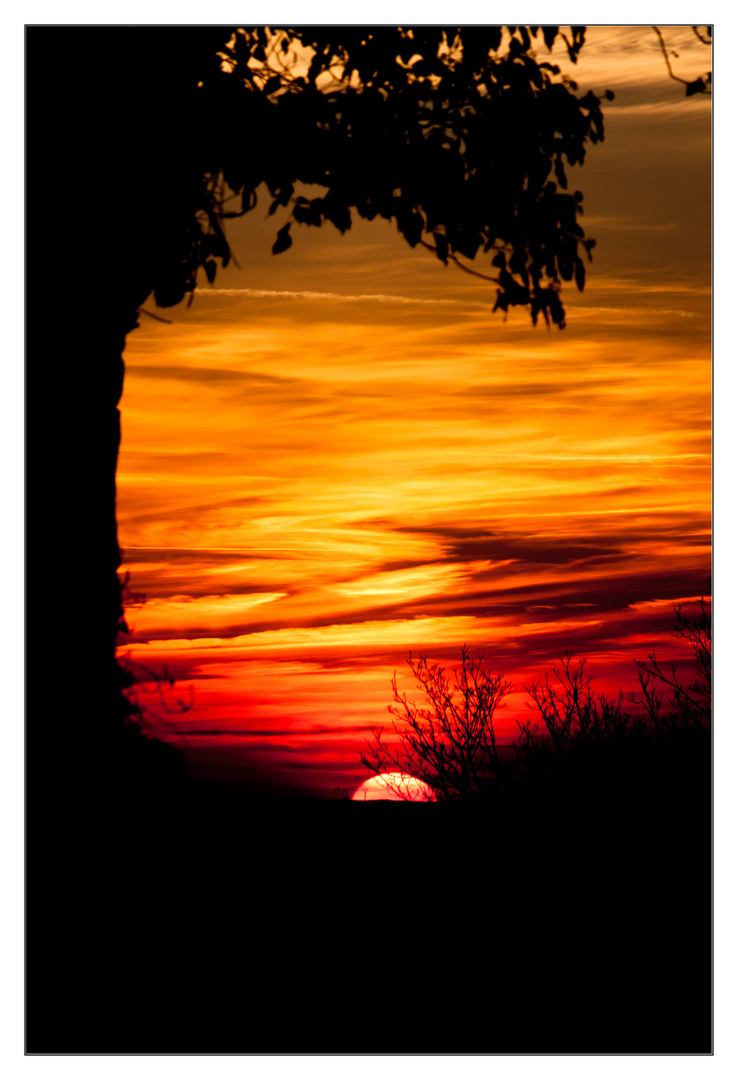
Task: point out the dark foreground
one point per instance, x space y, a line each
571 919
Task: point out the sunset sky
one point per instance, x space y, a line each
338 455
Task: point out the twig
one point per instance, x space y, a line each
698 35
466 269
676 78
143 311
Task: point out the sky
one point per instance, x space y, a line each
339 455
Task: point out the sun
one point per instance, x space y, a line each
394 787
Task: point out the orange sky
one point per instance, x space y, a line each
338 454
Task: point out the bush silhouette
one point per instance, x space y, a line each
574 717
689 707
450 742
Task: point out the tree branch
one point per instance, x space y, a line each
466 269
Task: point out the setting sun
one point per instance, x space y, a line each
394 787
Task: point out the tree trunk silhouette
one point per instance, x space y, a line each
110 199
74 438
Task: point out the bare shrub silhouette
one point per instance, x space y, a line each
142 752
145 725
689 707
575 719
162 682
449 742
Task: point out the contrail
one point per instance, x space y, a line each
386 298
377 298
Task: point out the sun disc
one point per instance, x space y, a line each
395 787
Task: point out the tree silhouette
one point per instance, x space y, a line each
449 742
145 140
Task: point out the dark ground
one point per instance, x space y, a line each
575 918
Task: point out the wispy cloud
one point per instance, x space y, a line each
348 298
441 301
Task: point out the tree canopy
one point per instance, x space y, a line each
464 137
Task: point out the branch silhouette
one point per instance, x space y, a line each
701 85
